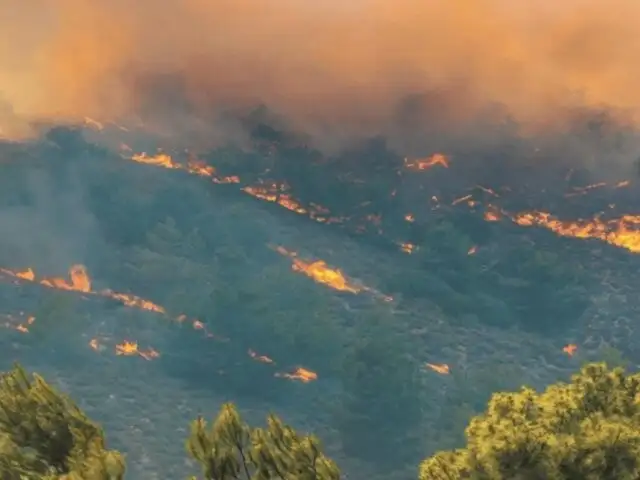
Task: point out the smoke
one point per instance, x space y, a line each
335 71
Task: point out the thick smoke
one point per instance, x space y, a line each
336 70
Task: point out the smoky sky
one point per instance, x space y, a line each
408 69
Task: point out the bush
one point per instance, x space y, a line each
587 429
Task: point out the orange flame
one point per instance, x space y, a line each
300 374
441 368
622 232
128 348
320 272
193 166
408 247
133 301
426 163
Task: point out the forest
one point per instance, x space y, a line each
371 300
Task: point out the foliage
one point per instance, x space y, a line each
230 449
43 434
380 414
586 429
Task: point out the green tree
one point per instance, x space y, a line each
230 449
588 429
44 435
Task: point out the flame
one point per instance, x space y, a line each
441 368
622 232
134 301
492 216
570 349
426 163
272 192
79 280
320 272
301 374
408 247
193 166
128 348
96 345
278 193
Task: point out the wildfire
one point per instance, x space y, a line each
441 368
278 193
80 281
134 301
128 348
300 374
320 272
622 232
407 247
427 163
193 166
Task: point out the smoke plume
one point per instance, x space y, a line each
332 69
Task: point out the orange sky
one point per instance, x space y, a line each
323 66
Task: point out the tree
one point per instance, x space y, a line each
586 429
230 449
44 435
